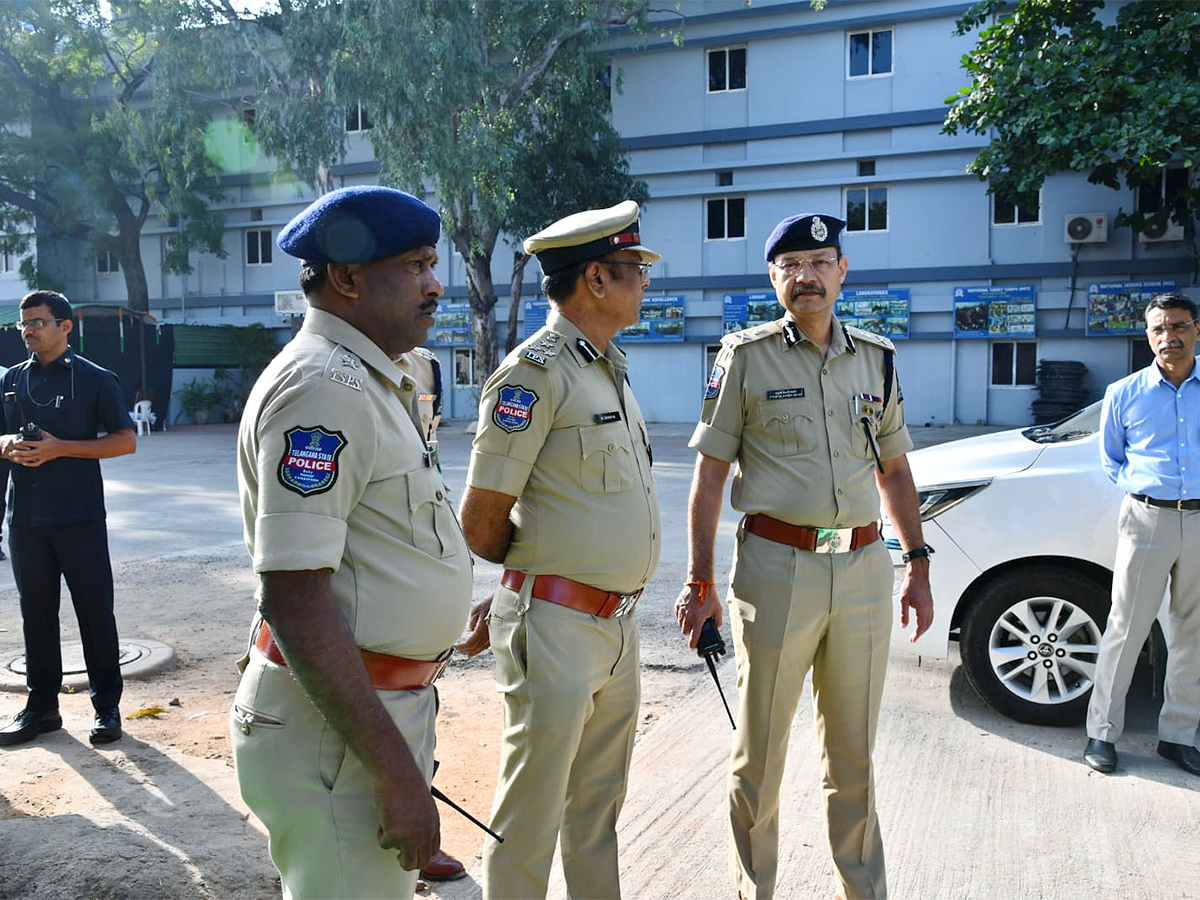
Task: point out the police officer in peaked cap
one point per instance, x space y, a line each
559 491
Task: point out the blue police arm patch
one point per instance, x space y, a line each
310 460
714 383
514 408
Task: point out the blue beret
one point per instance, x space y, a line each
807 231
359 225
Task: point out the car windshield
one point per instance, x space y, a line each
1078 425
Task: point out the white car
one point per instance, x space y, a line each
1024 524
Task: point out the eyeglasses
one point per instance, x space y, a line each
644 268
820 265
35 324
1173 327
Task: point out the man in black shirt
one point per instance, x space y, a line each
55 403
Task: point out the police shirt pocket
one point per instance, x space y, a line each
606 462
433 524
788 426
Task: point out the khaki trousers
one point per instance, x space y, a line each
571 690
315 798
1152 544
794 610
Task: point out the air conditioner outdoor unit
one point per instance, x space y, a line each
1152 233
1086 228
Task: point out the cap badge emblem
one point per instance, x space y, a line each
819 231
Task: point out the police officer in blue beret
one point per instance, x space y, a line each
810 409
365 579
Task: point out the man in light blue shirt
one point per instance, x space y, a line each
1150 448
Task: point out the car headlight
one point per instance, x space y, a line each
936 500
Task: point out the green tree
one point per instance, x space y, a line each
95 135
1060 90
569 159
452 89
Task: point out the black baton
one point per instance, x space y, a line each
438 795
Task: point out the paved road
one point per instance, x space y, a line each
972 805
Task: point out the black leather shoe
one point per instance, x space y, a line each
1185 756
28 724
107 727
1100 755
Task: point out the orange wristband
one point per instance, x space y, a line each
701 588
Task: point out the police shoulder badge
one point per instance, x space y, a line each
310 460
714 383
514 408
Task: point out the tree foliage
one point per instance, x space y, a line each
456 91
93 134
1062 90
569 159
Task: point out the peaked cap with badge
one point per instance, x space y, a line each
807 231
588 235
359 225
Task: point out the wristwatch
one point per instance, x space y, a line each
917 553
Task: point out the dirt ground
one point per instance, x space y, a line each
156 814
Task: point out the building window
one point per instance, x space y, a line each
727 69
258 247
726 219
870 53
866 168
106 263
724 179
867 209
1163 190
464 367
357 119
1013 363
710 359
1022 209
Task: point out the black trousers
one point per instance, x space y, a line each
41 558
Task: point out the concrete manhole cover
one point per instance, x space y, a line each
138 659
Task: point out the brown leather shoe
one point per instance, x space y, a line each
443 867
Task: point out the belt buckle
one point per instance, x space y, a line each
834 540
628 602
443 661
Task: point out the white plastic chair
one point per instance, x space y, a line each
142 414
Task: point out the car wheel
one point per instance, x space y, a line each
1029 644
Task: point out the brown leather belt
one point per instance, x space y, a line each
387 673
805 537
572 594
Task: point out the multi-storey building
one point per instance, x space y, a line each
762 111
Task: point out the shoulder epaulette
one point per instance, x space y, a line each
543 348
870 337
346 368
750 335
425 352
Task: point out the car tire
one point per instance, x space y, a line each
1029 643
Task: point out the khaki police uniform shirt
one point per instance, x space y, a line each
792 421
560 430
422 366
333 474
